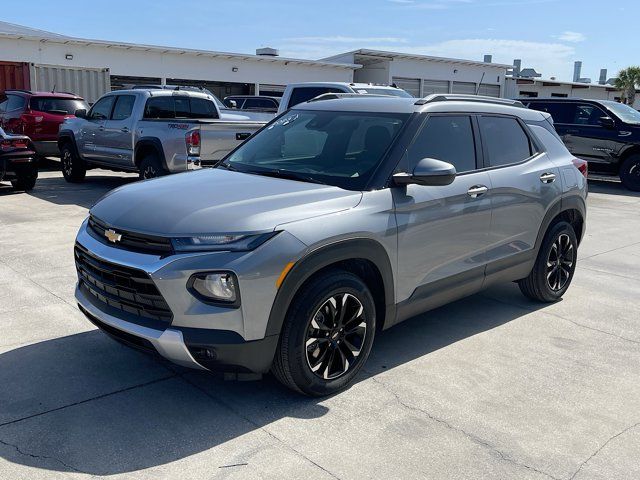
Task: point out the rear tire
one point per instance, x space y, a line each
555 265
630 173
74 169
25 178
327 334
151 167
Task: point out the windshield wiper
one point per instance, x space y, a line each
227 166
287 175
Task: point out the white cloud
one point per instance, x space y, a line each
550 59
573 37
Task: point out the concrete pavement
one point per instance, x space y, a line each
490 387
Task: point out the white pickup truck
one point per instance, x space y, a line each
150 131
296 93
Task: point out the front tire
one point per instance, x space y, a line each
74 169
630 173
25 178
555 265
327 334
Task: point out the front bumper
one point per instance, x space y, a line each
198 335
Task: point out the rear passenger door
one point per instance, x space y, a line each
443 230
118 135
524 184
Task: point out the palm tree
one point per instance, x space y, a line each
627 81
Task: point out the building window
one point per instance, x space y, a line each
524 93
560 95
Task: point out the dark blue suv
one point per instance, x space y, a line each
604 133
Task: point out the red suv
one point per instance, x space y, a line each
38 115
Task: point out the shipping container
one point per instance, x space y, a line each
89 83
14 75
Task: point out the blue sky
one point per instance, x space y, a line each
547 34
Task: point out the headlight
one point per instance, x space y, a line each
217 242
215 286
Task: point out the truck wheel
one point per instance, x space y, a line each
151 167
630 173
553 271
74 169
327 334
25 178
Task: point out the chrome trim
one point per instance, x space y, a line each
169 343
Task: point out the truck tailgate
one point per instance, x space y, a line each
219 138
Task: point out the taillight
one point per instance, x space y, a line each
582 166
193 142
6 145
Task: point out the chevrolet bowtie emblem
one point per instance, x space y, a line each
112 236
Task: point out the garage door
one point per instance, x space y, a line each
468 88
490 90
434 86
409 85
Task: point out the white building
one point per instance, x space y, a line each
422 75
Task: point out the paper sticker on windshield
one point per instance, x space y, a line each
362 91
284 121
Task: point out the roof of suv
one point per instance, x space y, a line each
433 103
42 94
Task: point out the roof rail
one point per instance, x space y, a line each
23 90
334 96
456 97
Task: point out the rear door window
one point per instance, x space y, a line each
123 107
448 138
504 140
304 94
101 110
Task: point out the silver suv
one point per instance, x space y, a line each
337 220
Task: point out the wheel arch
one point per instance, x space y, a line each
146 145
364 257
626 153
571 209
68 137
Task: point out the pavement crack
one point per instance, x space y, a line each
474 438
622 432
259 427
555 315
40 457
98 397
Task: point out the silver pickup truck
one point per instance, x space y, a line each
153 132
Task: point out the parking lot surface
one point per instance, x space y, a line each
490 387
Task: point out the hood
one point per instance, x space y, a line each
218 201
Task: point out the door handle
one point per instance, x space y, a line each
477 190
548 177
125 130
242 136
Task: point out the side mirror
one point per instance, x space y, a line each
233 104
607 122
81 113
428 171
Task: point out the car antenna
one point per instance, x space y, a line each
53 90
479 84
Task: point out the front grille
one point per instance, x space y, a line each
124 288
136 242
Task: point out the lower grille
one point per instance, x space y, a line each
124 288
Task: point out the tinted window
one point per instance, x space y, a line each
3 103
259 103
203 108
586 114
228 100
560 112
15 102
181 106
446 138
160 107
61 106
504 140
304 94
102 108
124 107
337 148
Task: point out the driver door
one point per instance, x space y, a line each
91 139
443 231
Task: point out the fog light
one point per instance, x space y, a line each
218 286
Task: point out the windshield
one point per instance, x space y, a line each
625 112
62 106
392 92
337 148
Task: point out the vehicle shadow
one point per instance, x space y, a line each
610 187
85 403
